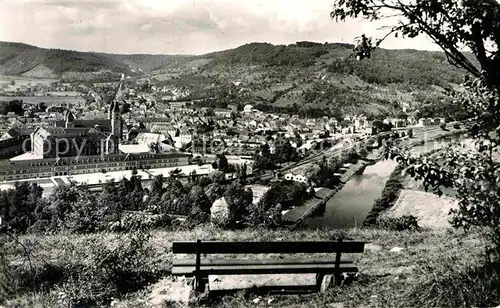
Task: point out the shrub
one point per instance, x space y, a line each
110 272
138 221
409 133
405 222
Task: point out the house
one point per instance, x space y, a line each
360 123
182 137
148 138
223 113
370 131
348 130
395 122
248 108
411 120
424 122
296 177
438 121
300 178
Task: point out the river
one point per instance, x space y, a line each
349 207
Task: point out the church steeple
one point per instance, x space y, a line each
114 112
69 119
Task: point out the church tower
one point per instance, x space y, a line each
69 119
114 113
116 119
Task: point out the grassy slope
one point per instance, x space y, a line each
431 271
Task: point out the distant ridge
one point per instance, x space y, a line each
305 77
387 66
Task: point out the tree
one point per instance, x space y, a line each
18 205
199 205
125 108
221 163
157 185
410 133
456 27
15 106
173 200
451 24
284 151
42 107
323 175
239 200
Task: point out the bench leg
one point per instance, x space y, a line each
199 283
319 279
323 281
338 279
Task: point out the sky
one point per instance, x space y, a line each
179 26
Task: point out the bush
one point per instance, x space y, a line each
405 222
139 221
410 133
110 272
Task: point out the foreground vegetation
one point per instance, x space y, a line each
432 270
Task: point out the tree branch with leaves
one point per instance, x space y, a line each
454 26
468 31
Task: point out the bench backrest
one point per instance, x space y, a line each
219 247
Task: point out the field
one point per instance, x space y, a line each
48 100
430 210
431 269
26 81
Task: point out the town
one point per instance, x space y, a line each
250 154
59 129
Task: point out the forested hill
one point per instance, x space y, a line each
28 60
386 66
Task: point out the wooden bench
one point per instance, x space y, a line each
201 267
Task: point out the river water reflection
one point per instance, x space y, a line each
349 207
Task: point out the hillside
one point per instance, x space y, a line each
323 79
305 77
27 60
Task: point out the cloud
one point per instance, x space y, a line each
177 26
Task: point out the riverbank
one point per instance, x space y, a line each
430 210
388 198
299 214
397 182
428 269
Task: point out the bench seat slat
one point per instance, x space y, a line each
262 269
256 261
218 247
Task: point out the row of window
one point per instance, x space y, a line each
46 172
